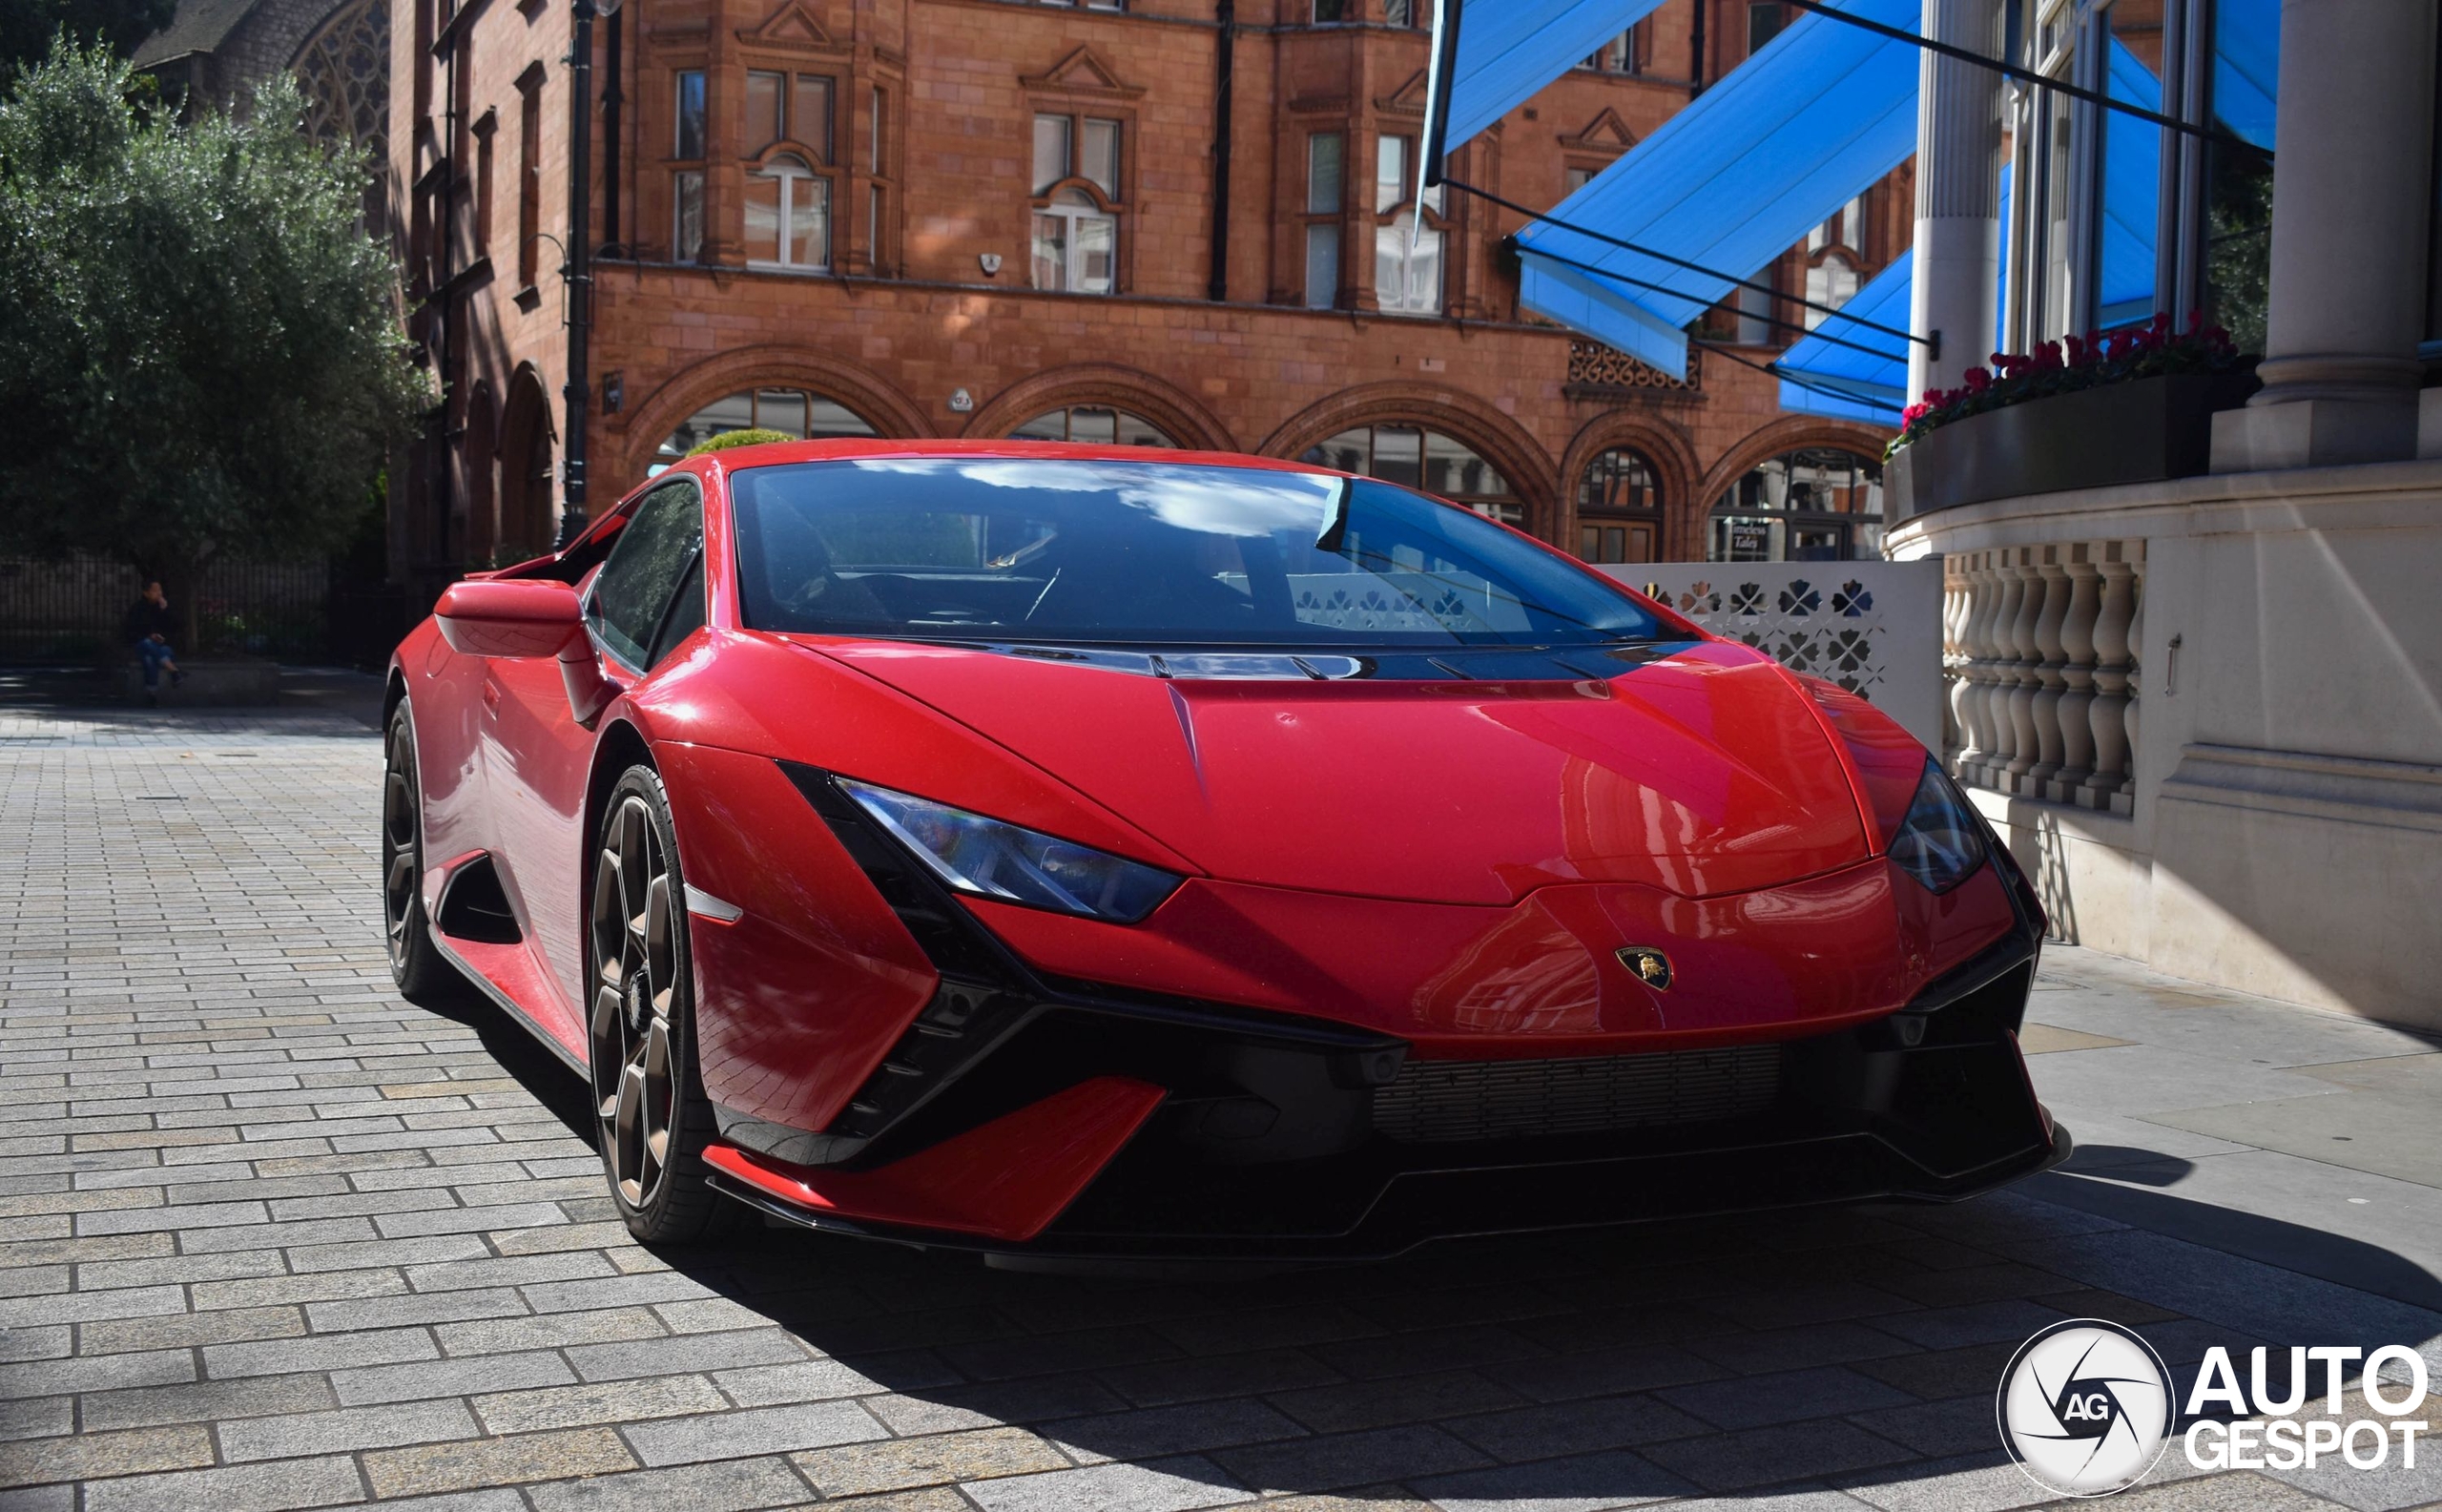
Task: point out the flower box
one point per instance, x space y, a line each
2136 431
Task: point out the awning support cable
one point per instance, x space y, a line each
1933 342
2027 75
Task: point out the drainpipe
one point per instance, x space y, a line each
612 96
579 274
1224 67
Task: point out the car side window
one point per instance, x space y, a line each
685 614
632 593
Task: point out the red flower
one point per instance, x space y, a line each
1977 379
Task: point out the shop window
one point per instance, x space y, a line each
1422 458
1093 425
791 411
1619 508
1821 503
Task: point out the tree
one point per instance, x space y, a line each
199 350
27 27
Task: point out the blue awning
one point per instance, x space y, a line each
1729 183
1508 49
2246 67
1818 377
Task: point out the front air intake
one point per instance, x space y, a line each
1451 1102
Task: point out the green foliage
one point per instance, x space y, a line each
200 347
737 438
27 27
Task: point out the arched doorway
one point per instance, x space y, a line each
797 412
528 512
1620 507
1816 503
1422 457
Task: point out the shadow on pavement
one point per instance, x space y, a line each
1851 1348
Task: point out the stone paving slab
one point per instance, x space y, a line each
270 1237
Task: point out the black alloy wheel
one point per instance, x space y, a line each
416 964
651 1115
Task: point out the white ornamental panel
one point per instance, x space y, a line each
1874 628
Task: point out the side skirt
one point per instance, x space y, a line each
457 954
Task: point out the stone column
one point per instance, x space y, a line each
2049 671
1958 227
2106 718
2352 196
2020 674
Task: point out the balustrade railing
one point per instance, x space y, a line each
2040 657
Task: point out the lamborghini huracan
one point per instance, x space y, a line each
1086 852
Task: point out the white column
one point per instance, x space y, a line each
1958 227
2352 194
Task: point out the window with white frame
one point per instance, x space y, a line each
1830 281
1407 278
1326 198
1077 200
787 216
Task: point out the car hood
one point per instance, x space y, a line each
1696 768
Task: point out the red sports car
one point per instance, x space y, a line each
1083 851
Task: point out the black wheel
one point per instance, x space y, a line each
416 964
651 1114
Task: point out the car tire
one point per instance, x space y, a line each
423 975
651 1119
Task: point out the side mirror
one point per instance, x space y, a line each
528 618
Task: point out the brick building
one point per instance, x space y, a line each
1180 221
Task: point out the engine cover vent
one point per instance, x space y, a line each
1445 1102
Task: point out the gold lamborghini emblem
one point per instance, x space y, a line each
1649 963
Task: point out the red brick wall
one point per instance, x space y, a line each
894 336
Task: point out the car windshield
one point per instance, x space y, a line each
1123 552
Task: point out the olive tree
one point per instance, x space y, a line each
199 348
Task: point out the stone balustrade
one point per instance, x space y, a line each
2040 657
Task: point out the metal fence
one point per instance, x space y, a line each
71 612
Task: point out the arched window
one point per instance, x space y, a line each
787 216
1422 458
344 68
1076 244
1619 508
1819 504
790 411
1093 423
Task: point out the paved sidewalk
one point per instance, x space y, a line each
270 1237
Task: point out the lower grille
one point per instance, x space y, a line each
1444 1101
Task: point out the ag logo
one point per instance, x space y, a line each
1652 966
2085 1408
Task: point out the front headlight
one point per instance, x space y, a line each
1941 841
992 859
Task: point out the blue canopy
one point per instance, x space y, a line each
1730 182
1819 378
1510 48
2246 67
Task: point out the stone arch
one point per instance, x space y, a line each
528 510
1497 436
1789 433
872 396
1105 386
1664 445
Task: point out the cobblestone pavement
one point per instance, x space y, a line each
270 1237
